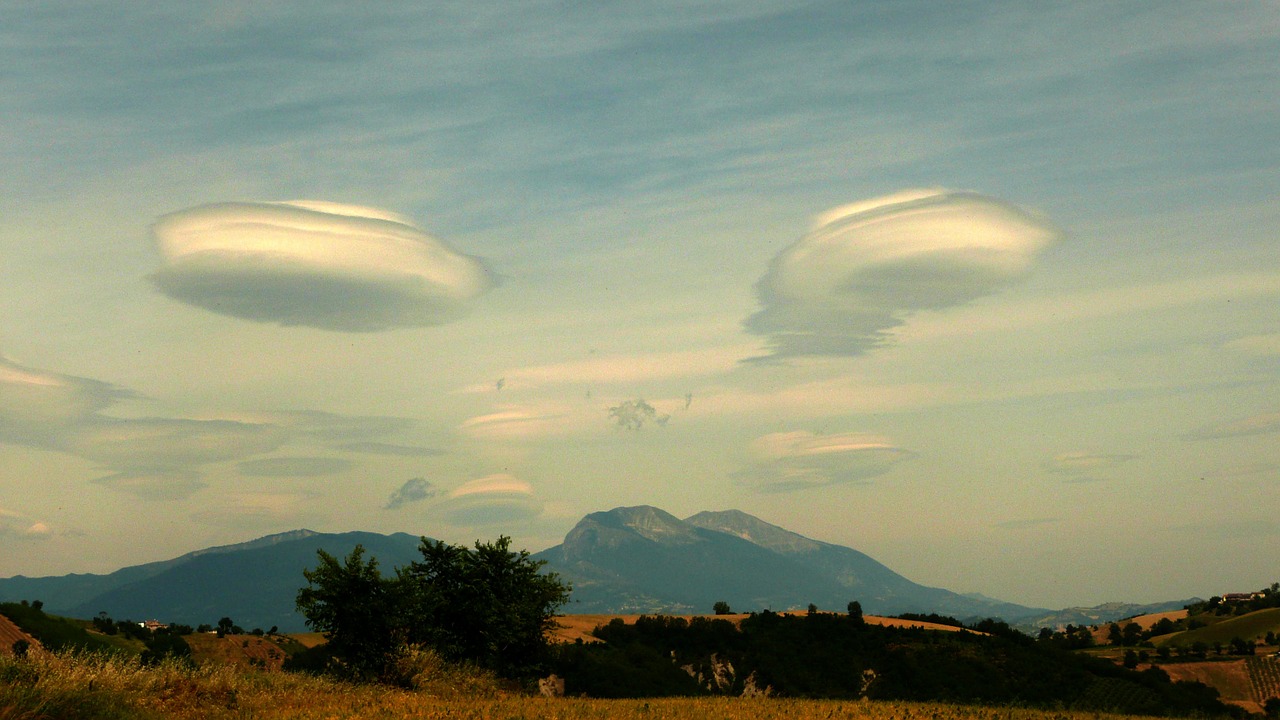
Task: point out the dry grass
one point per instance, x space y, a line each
242 650
1229 677
103 687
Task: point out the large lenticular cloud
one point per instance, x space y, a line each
324 265
864 267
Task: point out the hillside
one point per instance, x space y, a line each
1249 626
1100 614
254 583
645 560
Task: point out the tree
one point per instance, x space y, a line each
855 612
355 608
722 608
490 605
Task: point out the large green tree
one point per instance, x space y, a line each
357 609
488 605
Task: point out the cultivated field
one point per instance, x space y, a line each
570 628
1230 677
101 687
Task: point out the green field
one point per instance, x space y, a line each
1254 625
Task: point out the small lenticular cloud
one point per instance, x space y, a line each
864 267
323 265
789 461
491 500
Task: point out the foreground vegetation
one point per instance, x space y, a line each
95 686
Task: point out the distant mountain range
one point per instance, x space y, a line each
627 560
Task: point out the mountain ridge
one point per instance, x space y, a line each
644 559
638 559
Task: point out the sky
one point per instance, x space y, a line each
988 291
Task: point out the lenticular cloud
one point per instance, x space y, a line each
323 265
864 267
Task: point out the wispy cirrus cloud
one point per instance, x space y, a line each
319 264
865 267
800 460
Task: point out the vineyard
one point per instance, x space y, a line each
1264 675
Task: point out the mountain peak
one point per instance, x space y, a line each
754 530
264 541
648 522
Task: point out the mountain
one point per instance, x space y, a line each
643 559
253 583
626 560
1096 615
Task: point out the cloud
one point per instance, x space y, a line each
865 267
37 407
170 442
799 460
1080 467
319 264
157 485
328 427
1257 345
515 423
1027 524
294 466
633 414
611 369
491 500
261 510
412 491
64 413
1254 425
16 526
378 448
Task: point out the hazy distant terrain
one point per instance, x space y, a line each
626 560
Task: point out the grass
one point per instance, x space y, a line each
1247 627
89 686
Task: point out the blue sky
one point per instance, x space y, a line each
987 291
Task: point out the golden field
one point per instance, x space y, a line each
51 685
